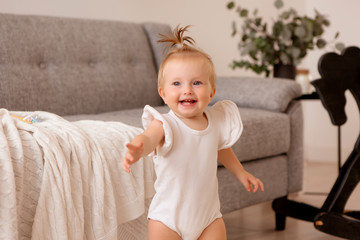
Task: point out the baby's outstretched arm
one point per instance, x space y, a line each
143 144
228 158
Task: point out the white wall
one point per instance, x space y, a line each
211 29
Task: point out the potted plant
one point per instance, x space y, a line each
282 45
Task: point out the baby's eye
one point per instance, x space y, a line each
197 83
176 83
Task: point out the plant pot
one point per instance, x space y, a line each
284 71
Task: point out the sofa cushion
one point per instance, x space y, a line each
71 66
273 171
265 133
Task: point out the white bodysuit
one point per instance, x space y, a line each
186 198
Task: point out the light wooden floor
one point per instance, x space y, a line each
258 222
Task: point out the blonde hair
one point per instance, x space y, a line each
179 45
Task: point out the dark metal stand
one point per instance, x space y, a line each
339 149
330 218
338 74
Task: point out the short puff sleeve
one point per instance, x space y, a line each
150 114
228 117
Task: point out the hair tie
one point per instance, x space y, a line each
179 45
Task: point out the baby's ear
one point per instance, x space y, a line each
161 93
212 93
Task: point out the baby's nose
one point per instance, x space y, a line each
188 90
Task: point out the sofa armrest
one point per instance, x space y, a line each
256 92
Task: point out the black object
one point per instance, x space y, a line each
285 71
310 96
338 74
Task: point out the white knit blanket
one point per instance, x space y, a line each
64 180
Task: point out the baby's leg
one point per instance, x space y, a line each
215 231
159 231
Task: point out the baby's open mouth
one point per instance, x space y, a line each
188 101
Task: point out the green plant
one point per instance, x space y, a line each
286 42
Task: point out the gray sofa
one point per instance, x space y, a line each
107 70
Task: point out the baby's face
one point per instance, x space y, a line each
186 88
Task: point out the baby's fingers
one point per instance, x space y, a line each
247 185
126 166
132 155
127 161
129 157
256 184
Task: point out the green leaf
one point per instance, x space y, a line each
240 64
253 66
264 29
252 54
318 30
308 24
234 31
284 58
337 34
252 33
247 48
267 73
285 15
244 37
340 46
260 42
258 21
244 13
277 28
326 22
278 4
286 33
300 31
294 52
230 5
320 43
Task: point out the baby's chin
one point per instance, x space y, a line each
189 114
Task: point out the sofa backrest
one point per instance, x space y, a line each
76 66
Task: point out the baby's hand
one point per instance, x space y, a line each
132 155
251 183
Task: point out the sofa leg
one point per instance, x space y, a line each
280 216
280 221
